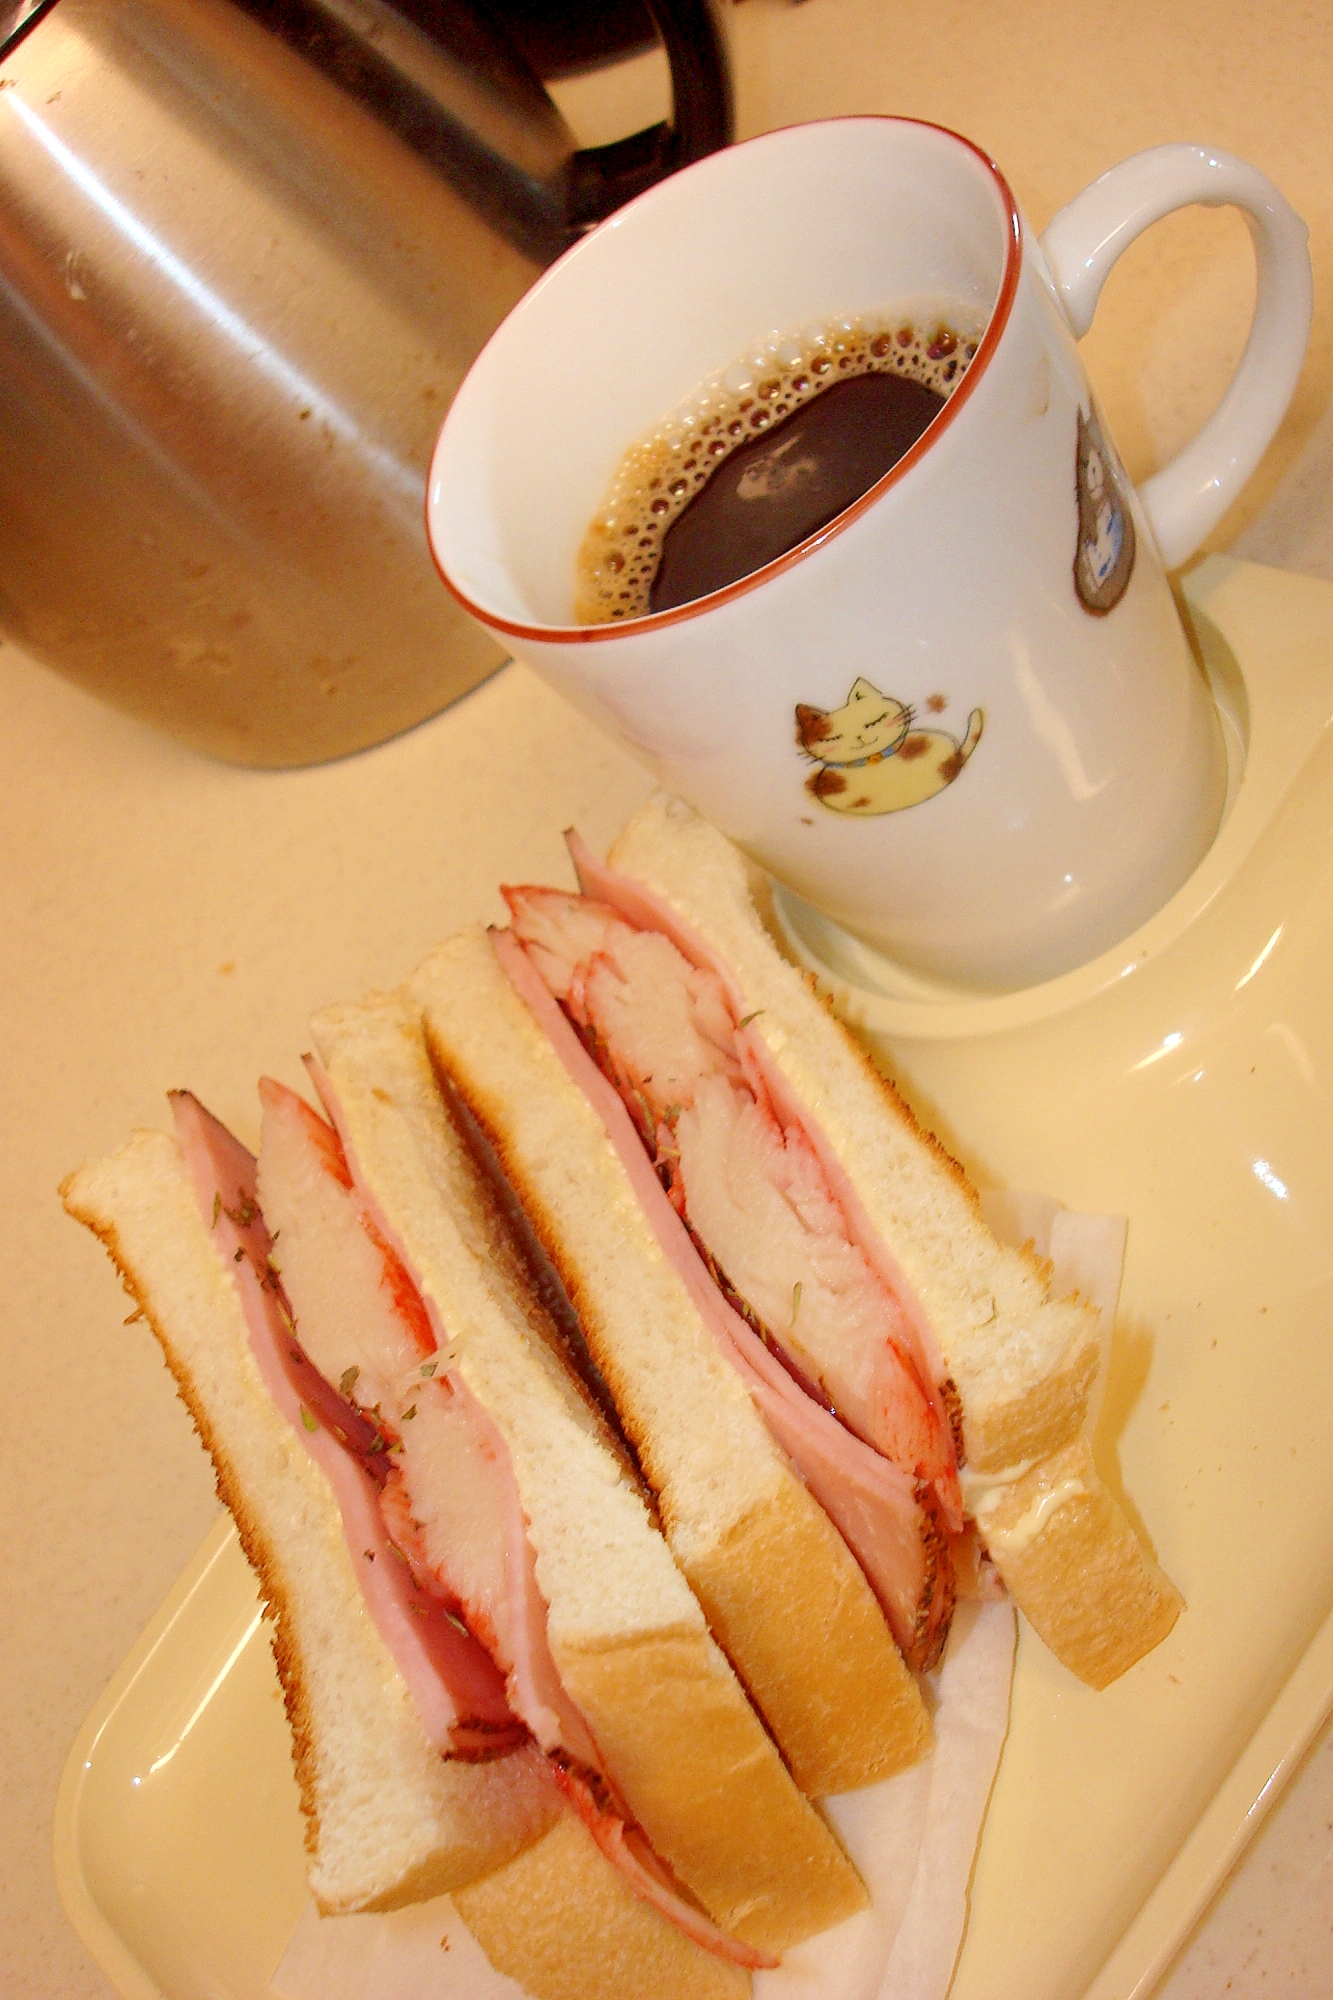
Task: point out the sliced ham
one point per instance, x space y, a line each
750 1184
366 1325
645 910
456 1688
755 1193
750 1180
882 1512
450 1501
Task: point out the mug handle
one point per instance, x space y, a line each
1191 494
602 178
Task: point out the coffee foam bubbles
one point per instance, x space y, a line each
930 342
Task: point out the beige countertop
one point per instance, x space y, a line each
164 920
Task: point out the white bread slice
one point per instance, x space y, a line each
1075 1565
783 1594
1023 1364
563 1923
678 1737
387 1819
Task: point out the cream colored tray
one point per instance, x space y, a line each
1184 1080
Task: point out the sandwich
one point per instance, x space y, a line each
761 1552
389 1816
615 1391
666 1728
498 1680
919 1376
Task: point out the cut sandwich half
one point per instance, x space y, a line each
781 1590
374 1692
654 1737
389 1819
847 1241
446 1487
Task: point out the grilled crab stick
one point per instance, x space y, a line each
837 1353
362 1324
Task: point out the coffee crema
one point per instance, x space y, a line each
765 454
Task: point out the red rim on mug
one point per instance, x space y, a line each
658 620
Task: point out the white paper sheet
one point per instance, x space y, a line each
913 1839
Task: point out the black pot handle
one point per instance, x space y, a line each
602 178
17 17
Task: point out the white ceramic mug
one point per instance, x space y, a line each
963 717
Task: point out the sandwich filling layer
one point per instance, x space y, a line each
456 1689
889 1514
450 1498
753 1184
449 1495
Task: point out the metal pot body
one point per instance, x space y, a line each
242 272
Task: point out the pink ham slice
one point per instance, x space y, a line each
750 1182
750 1179
451 1482
456 1689
642 908
365 1325
874 1505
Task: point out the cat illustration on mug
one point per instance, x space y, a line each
1104 558
870 758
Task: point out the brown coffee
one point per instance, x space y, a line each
764 456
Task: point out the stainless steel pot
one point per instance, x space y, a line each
248 249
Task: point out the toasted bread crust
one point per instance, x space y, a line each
259 1551
1037 1422
896 1106
668 1722
1077 1569
566 1927
782 1573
